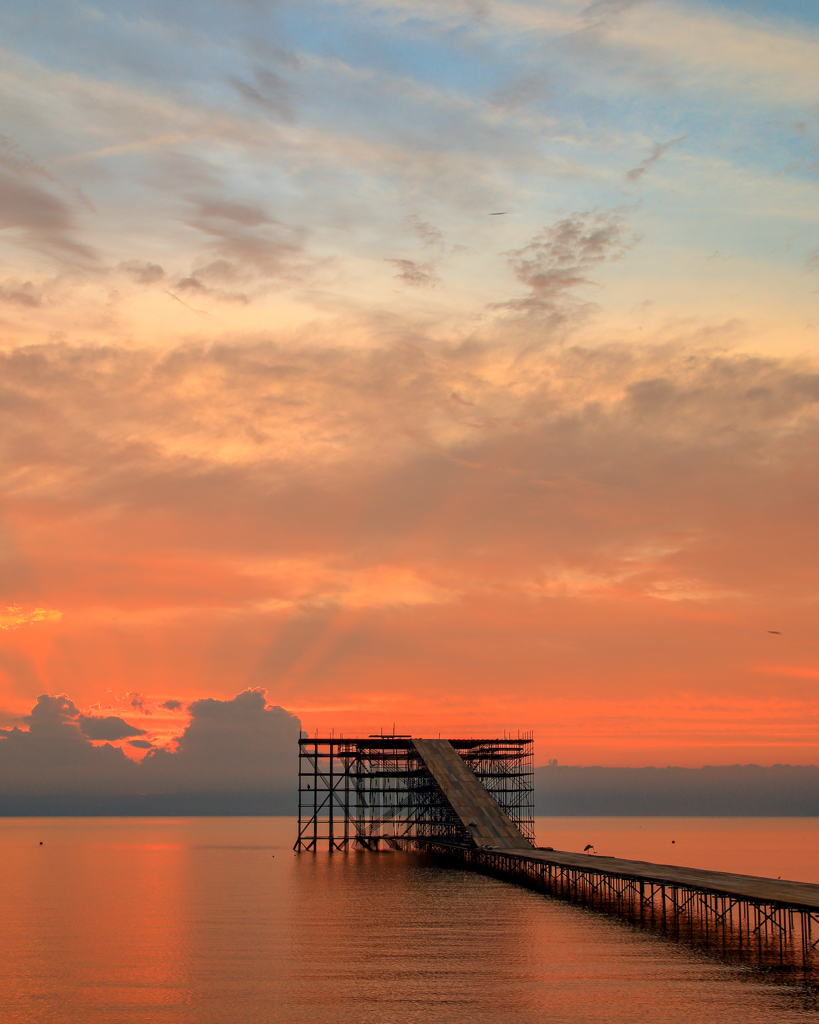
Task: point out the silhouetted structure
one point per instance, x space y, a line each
365 791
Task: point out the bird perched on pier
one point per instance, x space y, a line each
588 847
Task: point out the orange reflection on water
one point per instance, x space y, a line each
217 921
770 847
107 915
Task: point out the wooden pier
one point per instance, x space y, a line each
468 803
772 920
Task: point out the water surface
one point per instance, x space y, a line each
771 847
201 920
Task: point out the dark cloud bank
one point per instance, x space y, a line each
239 757
731 790
236 756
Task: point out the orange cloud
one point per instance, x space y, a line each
463 534
14 616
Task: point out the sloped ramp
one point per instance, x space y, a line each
471 801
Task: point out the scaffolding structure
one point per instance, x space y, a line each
361 792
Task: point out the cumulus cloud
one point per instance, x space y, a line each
59 718
140 703
240 746
109 728
230 745
172 705
53 716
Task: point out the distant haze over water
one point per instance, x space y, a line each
743 790
263 784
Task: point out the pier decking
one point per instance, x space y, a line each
782 892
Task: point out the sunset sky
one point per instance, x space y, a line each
448 365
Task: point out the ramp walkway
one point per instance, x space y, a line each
489 825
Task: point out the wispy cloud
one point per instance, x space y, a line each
560 258
657 152
420 275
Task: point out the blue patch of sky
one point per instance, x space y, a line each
141 44
144 41
800 11
147 42
108 44
450 56
415 49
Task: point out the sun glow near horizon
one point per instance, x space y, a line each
446 365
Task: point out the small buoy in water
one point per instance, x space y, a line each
41 843
673 840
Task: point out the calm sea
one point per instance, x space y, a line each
199 920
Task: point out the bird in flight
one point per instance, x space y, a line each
500 213
775 631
